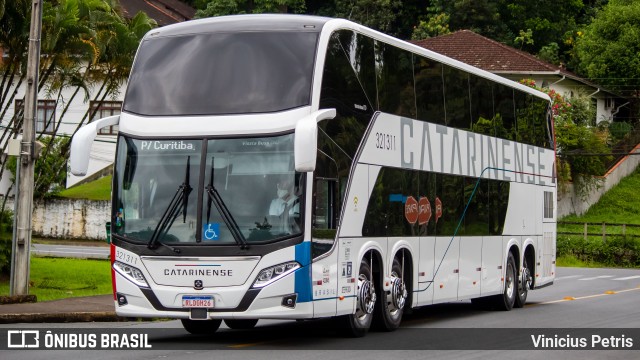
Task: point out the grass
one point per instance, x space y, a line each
618 205
61 278
572 261
96 190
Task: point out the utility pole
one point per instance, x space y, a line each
24 197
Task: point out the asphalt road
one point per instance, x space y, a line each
582 302
70 251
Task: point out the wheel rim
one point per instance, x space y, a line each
510 286
526 280
366 297
398 295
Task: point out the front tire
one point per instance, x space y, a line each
241 324
358 324
201 327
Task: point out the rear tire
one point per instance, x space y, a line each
524 283
358 324
201 327
241 324
507 299
392 302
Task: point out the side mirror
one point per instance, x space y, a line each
81 144
306 139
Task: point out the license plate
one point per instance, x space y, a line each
197 301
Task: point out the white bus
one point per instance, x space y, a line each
297 167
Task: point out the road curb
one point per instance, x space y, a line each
104 316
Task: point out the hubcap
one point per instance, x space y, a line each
510 282
366 296
526 279
398 293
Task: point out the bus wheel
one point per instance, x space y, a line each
357 325
241 324
524 284
201 327
507 299
394 300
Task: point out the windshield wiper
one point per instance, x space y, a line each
180 201
228 219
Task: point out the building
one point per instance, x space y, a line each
503 60
52 106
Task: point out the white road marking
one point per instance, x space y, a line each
597 277
568 277
628 278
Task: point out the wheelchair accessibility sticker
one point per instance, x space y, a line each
211 231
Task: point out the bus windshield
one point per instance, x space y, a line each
222 73
250 191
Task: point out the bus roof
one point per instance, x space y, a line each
238 23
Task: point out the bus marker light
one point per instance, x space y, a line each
609 292
422 274
474 283
568 298
441 286
319 282
341 298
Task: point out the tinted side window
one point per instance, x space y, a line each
456 97
359 51
342 90
524 118
505 117
386 208
429 90
539 113
394 70
451 195
476 219
482 110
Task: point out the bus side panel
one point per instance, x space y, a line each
424 286
348 267
520 219
324 285
547 249
492 264
470 267
446 279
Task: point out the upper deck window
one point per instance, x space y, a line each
222 73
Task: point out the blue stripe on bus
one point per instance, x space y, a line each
303 275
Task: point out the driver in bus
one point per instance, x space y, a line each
286 199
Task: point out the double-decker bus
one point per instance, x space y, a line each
297 167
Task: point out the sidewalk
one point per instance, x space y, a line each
78 309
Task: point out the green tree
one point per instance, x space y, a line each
232 7
50 165
574 138
435 26
377 14
608 50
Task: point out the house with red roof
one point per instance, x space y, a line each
503 60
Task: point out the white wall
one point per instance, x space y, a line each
69 218
571 203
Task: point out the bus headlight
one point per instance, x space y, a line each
131 273
273 273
